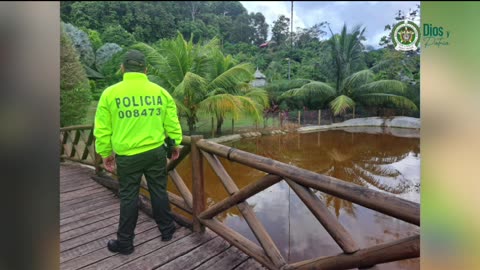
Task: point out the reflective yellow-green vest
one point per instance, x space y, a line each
134 116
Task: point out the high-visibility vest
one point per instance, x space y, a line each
134 116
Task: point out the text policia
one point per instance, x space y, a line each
138 106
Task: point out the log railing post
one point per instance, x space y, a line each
98 162
198 185
280 118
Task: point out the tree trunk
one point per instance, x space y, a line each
193 10
191 125
219 125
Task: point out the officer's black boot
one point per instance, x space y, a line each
122 248
167 235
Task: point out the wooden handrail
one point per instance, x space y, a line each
402 249
181 187
325 217
301 181
243 194
255 225
79 127
239 241
387 204
198 184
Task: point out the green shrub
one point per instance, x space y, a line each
95 39
93 85
81 43
116 34
75 94
96 96
73 106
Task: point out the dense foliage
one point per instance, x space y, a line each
333 71
203 80
75 95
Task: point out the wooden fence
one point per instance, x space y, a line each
301 182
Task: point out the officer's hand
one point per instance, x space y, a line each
175 153
109 163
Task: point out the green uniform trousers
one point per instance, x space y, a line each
152 164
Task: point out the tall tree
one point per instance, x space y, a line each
242 30
231 96
116 34
200 79
260 27
75 95
280 29
227 8
304 37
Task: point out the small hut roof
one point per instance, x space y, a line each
259 75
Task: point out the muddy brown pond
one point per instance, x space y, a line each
378 161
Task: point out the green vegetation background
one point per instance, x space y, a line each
324 73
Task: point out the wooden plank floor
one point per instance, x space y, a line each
89 216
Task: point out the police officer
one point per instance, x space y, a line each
132 121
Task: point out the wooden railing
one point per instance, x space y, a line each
301 182
77 143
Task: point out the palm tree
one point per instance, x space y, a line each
201 79
352 88
228 91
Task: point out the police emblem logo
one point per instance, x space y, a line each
406 36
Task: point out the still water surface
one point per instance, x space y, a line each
377 161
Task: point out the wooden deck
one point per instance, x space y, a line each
89 216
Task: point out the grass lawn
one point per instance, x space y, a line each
244 122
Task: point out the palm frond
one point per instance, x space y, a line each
285 85
260 96
382 86
160 81
181 108
382 64
357 79
217 91
313 88
250 106
191 89
152 56
243 87
157 66
203 65
340 104
231 77
216 64
379 98
220 104
213 44
179 57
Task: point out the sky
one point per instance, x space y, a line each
373 15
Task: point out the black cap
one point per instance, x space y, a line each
134 59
